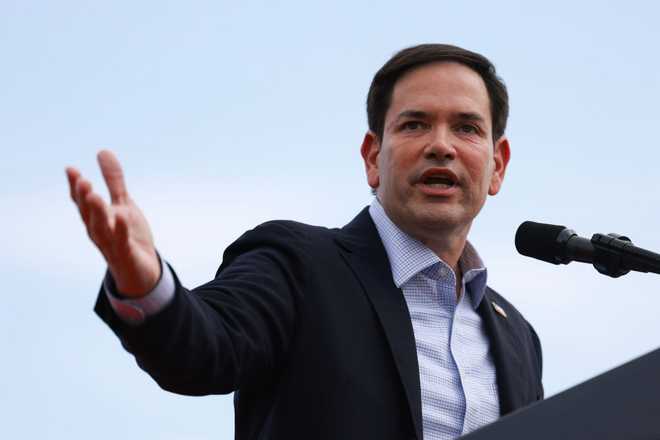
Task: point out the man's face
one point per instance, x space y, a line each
436 161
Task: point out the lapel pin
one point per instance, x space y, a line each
498 309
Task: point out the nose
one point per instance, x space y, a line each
439 145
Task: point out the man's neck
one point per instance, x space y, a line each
448 248
446 242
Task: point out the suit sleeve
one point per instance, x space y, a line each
234 330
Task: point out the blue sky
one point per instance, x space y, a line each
227 114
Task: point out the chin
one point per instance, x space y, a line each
437 218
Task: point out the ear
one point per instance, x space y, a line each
501 156
370 149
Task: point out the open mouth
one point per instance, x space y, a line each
439 178
439 181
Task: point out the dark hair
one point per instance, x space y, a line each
380 92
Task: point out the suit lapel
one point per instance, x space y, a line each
504 346
363 250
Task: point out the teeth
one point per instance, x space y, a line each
439 182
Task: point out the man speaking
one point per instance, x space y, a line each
382 329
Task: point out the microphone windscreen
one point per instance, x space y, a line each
539 240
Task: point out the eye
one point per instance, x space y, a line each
468 129
413 125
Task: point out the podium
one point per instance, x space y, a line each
621 404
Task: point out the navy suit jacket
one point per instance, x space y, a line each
306 325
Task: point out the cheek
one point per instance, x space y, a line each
397 164
392 167
479 165
404 158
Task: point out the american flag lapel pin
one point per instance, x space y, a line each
498 309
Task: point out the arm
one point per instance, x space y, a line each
236 329
231 331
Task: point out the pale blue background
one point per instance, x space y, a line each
228 114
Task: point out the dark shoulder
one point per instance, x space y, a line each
291 232
293 227
284 237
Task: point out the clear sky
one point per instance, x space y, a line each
227 114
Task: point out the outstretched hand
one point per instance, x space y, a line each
119 230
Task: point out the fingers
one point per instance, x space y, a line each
82 189
106 227
113 175
99 225
72 176
121 231
78 190
92 208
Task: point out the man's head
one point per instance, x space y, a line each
382 85
436 145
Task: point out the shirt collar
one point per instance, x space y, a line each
408 256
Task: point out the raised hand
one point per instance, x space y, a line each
119 230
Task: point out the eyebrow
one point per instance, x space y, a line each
420 114
469 116
414 114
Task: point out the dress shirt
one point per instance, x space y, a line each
457 373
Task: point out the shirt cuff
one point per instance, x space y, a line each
135 310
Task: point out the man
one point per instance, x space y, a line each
382 329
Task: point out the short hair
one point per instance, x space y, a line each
380 92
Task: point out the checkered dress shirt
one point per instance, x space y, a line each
456 369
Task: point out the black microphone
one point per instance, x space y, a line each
612 254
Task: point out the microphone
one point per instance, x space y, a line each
612 254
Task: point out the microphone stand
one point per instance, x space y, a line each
615 255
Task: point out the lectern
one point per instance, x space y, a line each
621 404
